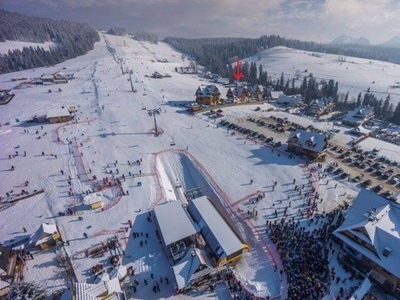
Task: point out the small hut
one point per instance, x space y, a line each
58 115
45 236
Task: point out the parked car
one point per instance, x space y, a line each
330 169
358 178
387 175
378 188
269 140
338 171
367 183
387 194
344 175
376 165
370 169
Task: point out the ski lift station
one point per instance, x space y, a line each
201 226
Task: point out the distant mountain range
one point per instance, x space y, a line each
394 42
343 39
348 40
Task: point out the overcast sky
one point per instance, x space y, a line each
318 20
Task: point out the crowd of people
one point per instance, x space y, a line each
305 254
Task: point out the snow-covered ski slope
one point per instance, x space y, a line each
112 131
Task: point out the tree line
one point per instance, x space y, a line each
215 54
311 88
218 54
71 39
384 109
118 31
145 36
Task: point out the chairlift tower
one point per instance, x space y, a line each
130 79
120 63
154 113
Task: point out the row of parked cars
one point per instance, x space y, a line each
369 162
293 126
271 126
380 167
251 133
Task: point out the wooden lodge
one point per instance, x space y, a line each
209 95
311 144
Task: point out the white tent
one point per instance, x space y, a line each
119 272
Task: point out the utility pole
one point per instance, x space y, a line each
153 113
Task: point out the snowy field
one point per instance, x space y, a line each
112 132
354 75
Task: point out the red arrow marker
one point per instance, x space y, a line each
238 75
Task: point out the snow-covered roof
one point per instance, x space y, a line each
43 234
252 88
360 129
87 291
276 94
207 217
321 102
180 228
375 221
308 140
208 91
361 290
113 285
59 112
185 270
239 90
359 115
291 100
47 76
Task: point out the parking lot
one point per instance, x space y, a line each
366 168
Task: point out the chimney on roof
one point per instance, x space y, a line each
386 251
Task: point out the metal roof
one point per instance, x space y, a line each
174 222
211 222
